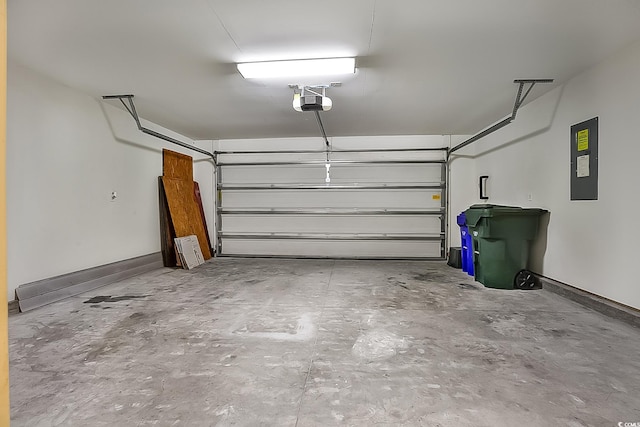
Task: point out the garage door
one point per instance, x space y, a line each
337 203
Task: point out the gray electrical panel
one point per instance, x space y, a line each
584 160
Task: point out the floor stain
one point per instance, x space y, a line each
121 335
431 276
108 298
558 333
395 282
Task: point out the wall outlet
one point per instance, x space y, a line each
114 196
529 196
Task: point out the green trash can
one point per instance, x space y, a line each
501 239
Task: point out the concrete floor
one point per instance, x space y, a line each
319 343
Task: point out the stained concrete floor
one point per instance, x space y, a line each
318 343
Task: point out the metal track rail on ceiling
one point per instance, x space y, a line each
518 102
131 108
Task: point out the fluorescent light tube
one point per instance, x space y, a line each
297 68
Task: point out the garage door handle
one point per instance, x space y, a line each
482 183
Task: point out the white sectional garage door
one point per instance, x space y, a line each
380 202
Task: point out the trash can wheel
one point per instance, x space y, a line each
526 280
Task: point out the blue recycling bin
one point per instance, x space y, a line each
466 242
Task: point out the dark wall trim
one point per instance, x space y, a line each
36 294
13 307
595 302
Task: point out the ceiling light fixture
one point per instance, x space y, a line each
297 68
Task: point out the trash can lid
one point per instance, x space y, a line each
490 206
498 208
461 219
487 210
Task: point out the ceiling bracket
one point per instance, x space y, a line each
131 108
520 97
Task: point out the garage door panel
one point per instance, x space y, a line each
271 174
386 174
331 249
316 174
376 204
391 224
333 156
389 199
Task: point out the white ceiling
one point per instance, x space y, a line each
424 66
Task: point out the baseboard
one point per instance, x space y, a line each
36 294
14 308
603 305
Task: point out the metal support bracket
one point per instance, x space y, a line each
324 134
131 108
520 97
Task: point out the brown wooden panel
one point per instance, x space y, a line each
177 165
184 211
167 234
198 197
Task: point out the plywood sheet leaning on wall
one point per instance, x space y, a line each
184 212
177 165
197 195
181 211
167 233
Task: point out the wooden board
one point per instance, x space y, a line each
4 339
184 212
167 234
198 197
177 165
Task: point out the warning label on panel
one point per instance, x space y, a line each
583 140
436 197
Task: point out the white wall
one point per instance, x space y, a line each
66 153
591 244
462 185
